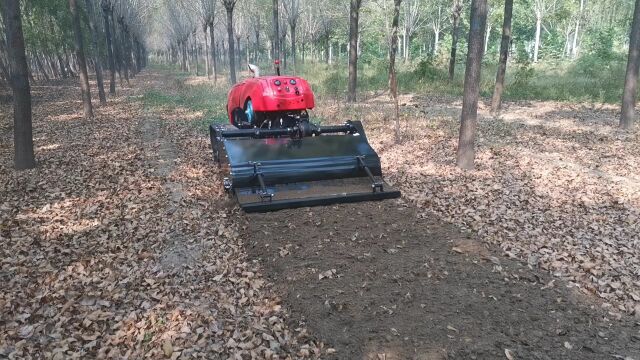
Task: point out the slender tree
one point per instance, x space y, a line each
393 79
214 57
292 9
353 49
19 79
229 5
631 80
496 102
456 11
106 10
96 55
541 9
468 118
275 42
82 63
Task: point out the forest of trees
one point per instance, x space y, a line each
114 38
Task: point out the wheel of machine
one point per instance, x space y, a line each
239 118
251 114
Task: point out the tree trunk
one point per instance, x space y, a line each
41 68
468 119
457 9
404 44
96 56
486 39
436 40
214 60
232 58
117 52
393 80
238 52
124 50
195 50
22 127
110 60
82 63
353 49
63 69
496 102
4 70
537 41
206 53
183 65
293 48
574 48
276 31
631 80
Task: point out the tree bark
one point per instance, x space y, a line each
82 63
487 35
393 79
41 68
276 31
183 64
63 68
206 53
468 118
536 47
229 5
293 48
195 50
96 56
574 48
117 51
496 101
214 58
353 49
22 127
455 15
631 79
4 70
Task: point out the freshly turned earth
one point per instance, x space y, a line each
375 280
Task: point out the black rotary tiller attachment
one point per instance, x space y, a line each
304 165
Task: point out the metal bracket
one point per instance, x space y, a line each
265 195
227 184
375 185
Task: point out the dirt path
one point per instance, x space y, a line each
377 282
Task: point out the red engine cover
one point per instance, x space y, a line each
271 94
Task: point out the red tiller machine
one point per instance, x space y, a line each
276 158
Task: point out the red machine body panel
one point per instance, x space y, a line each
271 94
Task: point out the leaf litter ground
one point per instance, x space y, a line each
122 244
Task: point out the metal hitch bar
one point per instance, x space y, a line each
375 185
301 130
264 193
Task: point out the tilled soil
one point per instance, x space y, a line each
375 281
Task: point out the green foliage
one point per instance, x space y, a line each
206 98
426 70
599 45
523 75
47 25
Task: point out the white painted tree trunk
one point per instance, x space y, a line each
486 38
404 44
536 46
436 40
574 48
